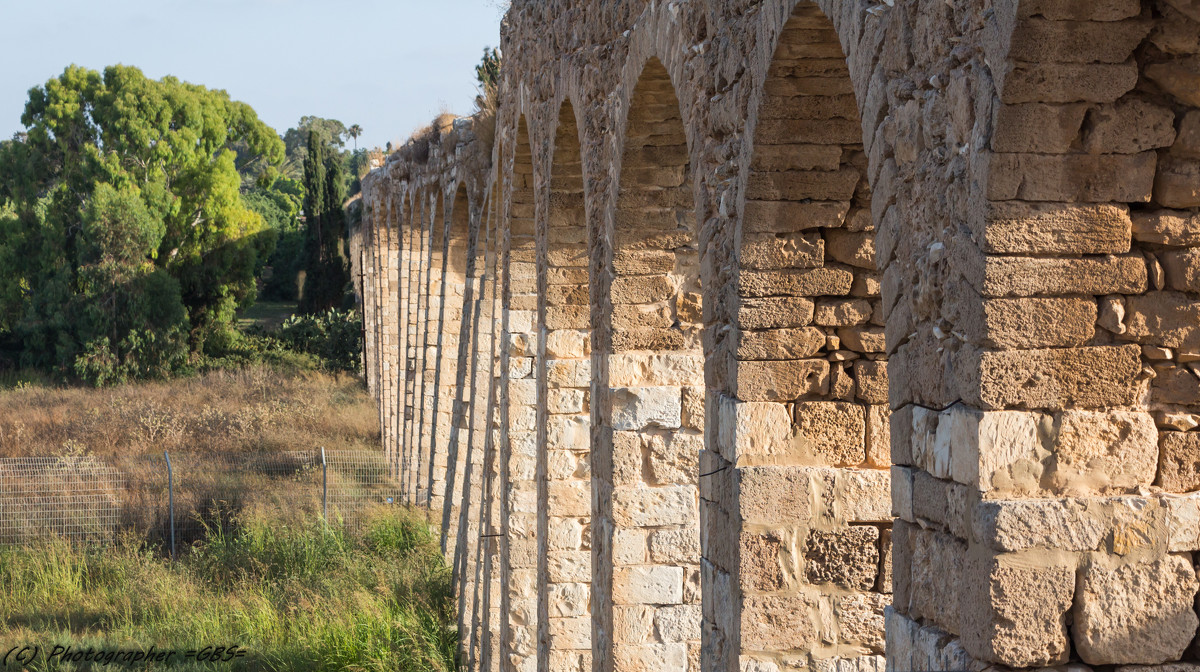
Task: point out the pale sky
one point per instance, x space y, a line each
388 65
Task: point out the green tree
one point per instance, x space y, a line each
128 229
354 132
326 270
487 73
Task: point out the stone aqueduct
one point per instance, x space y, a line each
771 335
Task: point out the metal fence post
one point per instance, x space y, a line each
171 500
324 487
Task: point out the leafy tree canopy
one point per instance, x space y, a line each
128 239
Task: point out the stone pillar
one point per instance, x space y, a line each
795 494
416 246
518 408
564 416
655 393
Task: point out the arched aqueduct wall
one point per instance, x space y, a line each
775 335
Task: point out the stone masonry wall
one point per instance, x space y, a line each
830 334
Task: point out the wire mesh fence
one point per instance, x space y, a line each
93 499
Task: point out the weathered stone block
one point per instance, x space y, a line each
1003 622
1179 461
1018 227
648 585
774 495
834 431
779 312
782 250
781 380
635 408
848 558
779 344
1087 377
1138 613
777 623
653 507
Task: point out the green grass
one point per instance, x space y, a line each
266 314
293 595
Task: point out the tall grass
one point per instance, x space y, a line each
297 595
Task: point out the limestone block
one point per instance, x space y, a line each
1177 184
842 313
1068 82
902 492
763 558
567 344
751 429
778 623
1179 461
884 584
784 216
1015 613
1025 276
564 534
854 248
569 373
643 262
633 624
1102 450
1034 322
570 566
651 507
1128 126
827 281
871 381
568 432
782 380
1018 227
1037 127
1017 525
629 546
862 495
655 369
1187 143
1087 377
1090 178
676 460
651 657
764 251
780 312
569 498
835 431
1179 77
860 620
1139 613
937 578
780 343
641 289
878 436
566 401
647 584
680 547
693 408
1167 227
774 495
864 339
796 185
1081 10
637 408
677 623
567 600
1167 319
1182 268
848 558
